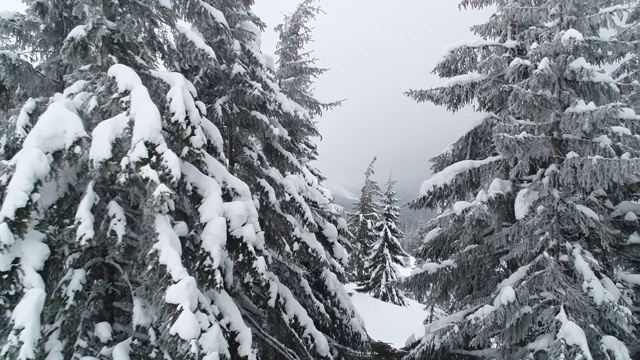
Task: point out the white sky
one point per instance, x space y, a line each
376 49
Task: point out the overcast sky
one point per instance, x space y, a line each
376 49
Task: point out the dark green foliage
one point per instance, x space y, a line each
536 201
147 229
383 351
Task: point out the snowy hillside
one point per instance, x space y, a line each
387 322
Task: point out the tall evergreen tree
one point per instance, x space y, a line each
363 216
269 145
297 70
118 213
533 200
126 229
386 252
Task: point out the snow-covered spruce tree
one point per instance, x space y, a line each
386 252
305 311
364 214
122 233
533 200
296 73
296 67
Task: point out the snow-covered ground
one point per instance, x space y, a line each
387 322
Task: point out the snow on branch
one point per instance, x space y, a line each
447 175
631 279
479 43
84 217
616 9
233 319
448 320
25 317
465 79
180 96
214 234
147 122
197 40
104 135
340 294
169 248
587 72
573 335
591 284
293 309
215 13
616 347
23 118
58 128
432 268
519 274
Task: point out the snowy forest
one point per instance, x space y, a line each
161 194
